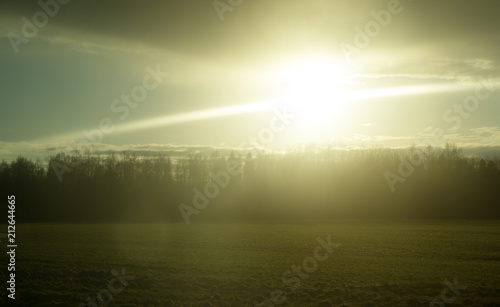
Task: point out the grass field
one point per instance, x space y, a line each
377 263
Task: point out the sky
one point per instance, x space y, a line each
183 76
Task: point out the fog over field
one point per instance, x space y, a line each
250 153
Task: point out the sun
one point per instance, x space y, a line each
314 87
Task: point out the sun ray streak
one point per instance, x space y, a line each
249 108
405 90
166 121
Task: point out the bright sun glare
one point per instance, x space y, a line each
313 87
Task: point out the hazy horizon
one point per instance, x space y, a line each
124 77
250 153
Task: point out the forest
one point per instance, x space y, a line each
300 184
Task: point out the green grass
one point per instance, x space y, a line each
376 264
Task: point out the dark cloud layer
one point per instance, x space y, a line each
259 26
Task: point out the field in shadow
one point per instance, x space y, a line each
376 263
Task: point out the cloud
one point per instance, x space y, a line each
481 142
438 49
461 48
481 136
464 71
11 150
489 131
260 27
489 136
485 152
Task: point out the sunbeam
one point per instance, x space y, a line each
167 120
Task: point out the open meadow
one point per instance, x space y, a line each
250 153
376 263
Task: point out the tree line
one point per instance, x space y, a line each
300 184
